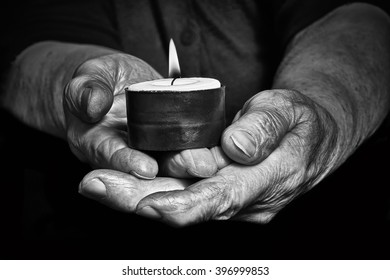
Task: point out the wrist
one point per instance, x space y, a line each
36 80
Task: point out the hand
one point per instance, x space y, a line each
95 111
123 191
283 144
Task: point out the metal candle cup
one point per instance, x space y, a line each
172 120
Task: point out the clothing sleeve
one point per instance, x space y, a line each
292 16
75 21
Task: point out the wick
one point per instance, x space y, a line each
174 79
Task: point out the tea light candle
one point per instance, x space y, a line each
175 113
176 85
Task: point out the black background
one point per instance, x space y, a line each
347 216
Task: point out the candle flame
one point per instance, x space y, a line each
174 67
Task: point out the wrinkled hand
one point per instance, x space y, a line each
123 191
95 111
282 144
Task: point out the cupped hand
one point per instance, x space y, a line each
122 191
282 144
95 112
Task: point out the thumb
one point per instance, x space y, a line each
258 128
88 98
123 191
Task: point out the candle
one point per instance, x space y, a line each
175 113
176 84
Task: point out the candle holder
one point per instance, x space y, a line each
175 120
176 113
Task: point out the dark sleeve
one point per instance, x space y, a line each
76 21
291 16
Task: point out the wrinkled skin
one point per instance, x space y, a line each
95 110
282 142
293 147
278 146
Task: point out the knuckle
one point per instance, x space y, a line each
172 165
89 66
202 202
103 151
75 144
268 126
77 151
175 203
87 146
285 184
101 71
226 199
120 159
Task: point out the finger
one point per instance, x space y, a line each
88 98
205 200
107 148
122 191
259 128
253 193
220 157
202 163
134 162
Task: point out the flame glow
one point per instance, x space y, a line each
174 67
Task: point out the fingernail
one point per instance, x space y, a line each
141 176
94 189
244 142
149 212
